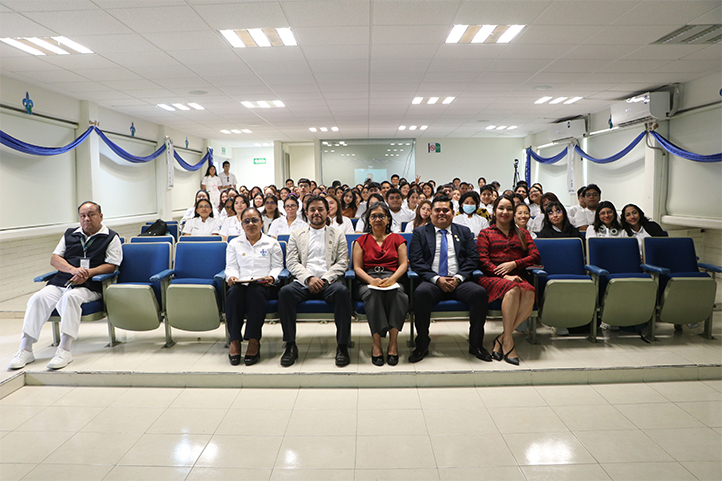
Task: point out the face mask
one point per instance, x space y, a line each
469 209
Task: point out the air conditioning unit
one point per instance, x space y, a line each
571 129
641 108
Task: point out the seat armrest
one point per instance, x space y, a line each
596 270
710 267
350 274
283 275
477 274
655 269
221 276
162 275
45 277
539 272
105 277
411 274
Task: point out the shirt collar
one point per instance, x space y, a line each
437 230
103 230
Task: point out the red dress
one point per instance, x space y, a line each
495 248
385 255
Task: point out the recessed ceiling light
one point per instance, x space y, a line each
483 33
423 127
324 129
235 131
335 129
195 106
267 145
225 131
393 143
456 33
417 100
402 127
396 150
312 129
181 107
432 100
542 100
501 127
408 143
278 103
572 100
388 150
448 100
233 38
413 127
333 151
166 107
257 145
510 33
263 104
286 37
325 150
22 46
248 104
542 87
491 127
259 37
47 46
511 127
246 131
557 100
70 44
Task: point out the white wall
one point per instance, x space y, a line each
470 159
186 183
302 161
250 174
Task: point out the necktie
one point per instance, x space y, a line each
444 255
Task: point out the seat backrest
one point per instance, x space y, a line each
201 238
143 260
152 239
403 226
407 237
283 249
354 221
561 256
283 238
199 259
618 255
173 230
675 253
350 239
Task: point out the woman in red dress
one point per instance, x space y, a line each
505 251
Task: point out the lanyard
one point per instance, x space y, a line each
86 245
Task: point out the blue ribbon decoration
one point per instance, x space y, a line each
614 157
680 152
127 155
19 145
187 166
546 160
527 171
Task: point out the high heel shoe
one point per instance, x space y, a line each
235 359
377 360
392 359
497 355
511 360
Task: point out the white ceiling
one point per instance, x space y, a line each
359 63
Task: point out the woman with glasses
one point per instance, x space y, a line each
284 225
379 260
270 211
203 223
253 263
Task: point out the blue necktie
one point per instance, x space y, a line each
444 255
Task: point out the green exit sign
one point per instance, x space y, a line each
259 160
223 150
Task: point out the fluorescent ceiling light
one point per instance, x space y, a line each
483 33
413 127
558 100
417 100
286 37
542 100
408 143
47 46
22 46
225 131
312 129
423 127
396 150
266 145
402 127
448 100
393 143
456 33
263 104
501 127
180 107
333 151
233 38
432 100
257 145
196 106
248 104
278 103
70 44
511 127
335 129
510 33
572 100
246 131
324 143
259 37
491 127
324 129
166 107
235 131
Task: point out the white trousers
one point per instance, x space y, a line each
66 301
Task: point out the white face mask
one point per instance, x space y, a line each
468 208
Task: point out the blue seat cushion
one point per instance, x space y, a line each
88 308
450 306
313 306
604 280
272 306
359 307
664 279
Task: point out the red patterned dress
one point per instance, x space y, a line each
496 248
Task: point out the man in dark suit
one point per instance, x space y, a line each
444 255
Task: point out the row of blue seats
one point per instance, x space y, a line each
188 294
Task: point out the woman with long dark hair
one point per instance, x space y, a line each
606 222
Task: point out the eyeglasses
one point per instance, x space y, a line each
377 216
253 220
204 206
291 206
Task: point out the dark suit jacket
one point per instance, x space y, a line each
423 246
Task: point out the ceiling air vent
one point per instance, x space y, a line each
692 35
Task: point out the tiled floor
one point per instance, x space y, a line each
655 431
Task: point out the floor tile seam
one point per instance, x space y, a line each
644 432
658 403
62 430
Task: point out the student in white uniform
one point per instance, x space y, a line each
228 180
232 225
361 224
334 215
535 195
290 222
636 224
227 210
191 212
487 199
394 199
270 212
572 211
203 223
423 216
606 223
584 217
212 184
522 217
467 216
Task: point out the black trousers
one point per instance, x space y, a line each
427 295
248 301
335 294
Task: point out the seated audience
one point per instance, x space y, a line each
576 208
258 201
467 216
556 223
290 222
536 224
606 222
348 204
253 263
522 217
335 217
486 198
379 260
505 251
232 224
636 224
423 216
584 217
203 223
270 212
191 212
361 224
523 191
395 202
221 206
227 210
535 194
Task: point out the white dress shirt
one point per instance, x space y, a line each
228 180
113 254
246 261
453 266
403 215
316 263
280 226
196 226
584 216
346 225
475 223
232 226
535 224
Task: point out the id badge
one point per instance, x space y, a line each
85 263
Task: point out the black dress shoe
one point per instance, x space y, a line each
418 354
377 360
511 360
342 357
392 359
253 359
480 353
497 355
235 360
289 355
